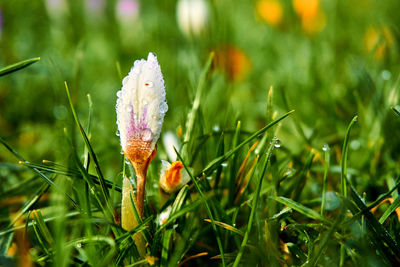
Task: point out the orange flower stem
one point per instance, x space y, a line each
128 218
141 174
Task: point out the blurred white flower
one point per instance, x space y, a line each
170 140
56 8
95 7
192 16
173 176
141 107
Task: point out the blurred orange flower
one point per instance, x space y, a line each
314 25
379 41
306 8
313 18
234 62
271 11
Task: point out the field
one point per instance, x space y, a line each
283 116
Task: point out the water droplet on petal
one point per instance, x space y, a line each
125 81
129 108
135 116
119 93
147 135
163 107
148 84
144 102
117 133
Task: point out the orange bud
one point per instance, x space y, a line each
173 176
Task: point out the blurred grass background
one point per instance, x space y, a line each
328 60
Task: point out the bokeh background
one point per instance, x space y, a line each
327 59
330 59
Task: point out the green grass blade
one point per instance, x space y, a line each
179 200
38 217
41 174
343 163
17 66
203 198
325 181
324 240
233 164
379 233
192 116
253 207
299 207
102 182
396 111
138 228
300 182
226 226
165 251
70 172
390 210
173 216
220 152
31 202
216 162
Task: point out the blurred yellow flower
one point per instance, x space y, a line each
378 41
313 18
314 25
271 11
306 8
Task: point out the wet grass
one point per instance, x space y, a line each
293 153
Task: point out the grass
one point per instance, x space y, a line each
270 186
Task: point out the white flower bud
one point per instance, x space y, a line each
141 107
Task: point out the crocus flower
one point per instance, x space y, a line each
141 107
173 176
192 16
140 110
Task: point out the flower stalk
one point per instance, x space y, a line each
141 107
